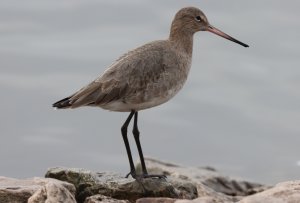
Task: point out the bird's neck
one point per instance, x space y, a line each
182 40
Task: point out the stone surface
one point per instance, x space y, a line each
103 199
156 200
286 192
205 199
36 190
204 176
207 195
116 186
183 185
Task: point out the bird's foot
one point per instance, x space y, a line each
144 175
132 173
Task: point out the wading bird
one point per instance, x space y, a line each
145 77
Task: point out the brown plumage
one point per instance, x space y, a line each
146 76
138 78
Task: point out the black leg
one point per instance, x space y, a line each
136 134
124 134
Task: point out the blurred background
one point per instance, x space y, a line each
238 112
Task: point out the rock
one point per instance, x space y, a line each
103 199
183 185
116 186
156 200
204 176
36 190
183 188
285 192
207 195
205 199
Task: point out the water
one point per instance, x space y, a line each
239 111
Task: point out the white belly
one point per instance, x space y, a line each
151 102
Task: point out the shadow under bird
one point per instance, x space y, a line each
145 77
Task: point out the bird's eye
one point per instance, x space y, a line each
198 18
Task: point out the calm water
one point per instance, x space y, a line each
239 111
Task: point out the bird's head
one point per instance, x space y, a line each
190 20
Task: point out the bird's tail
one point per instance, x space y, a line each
63 104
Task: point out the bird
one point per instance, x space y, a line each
145 77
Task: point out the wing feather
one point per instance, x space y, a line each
126 80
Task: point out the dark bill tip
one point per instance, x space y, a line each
224 35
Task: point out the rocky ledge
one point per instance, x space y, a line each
183 185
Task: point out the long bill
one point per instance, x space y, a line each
226 36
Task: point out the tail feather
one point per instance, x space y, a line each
64 103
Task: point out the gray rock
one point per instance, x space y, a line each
205 199
285 192
156 200
206 195
36 190
183 188
103 199
204 176
116 186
